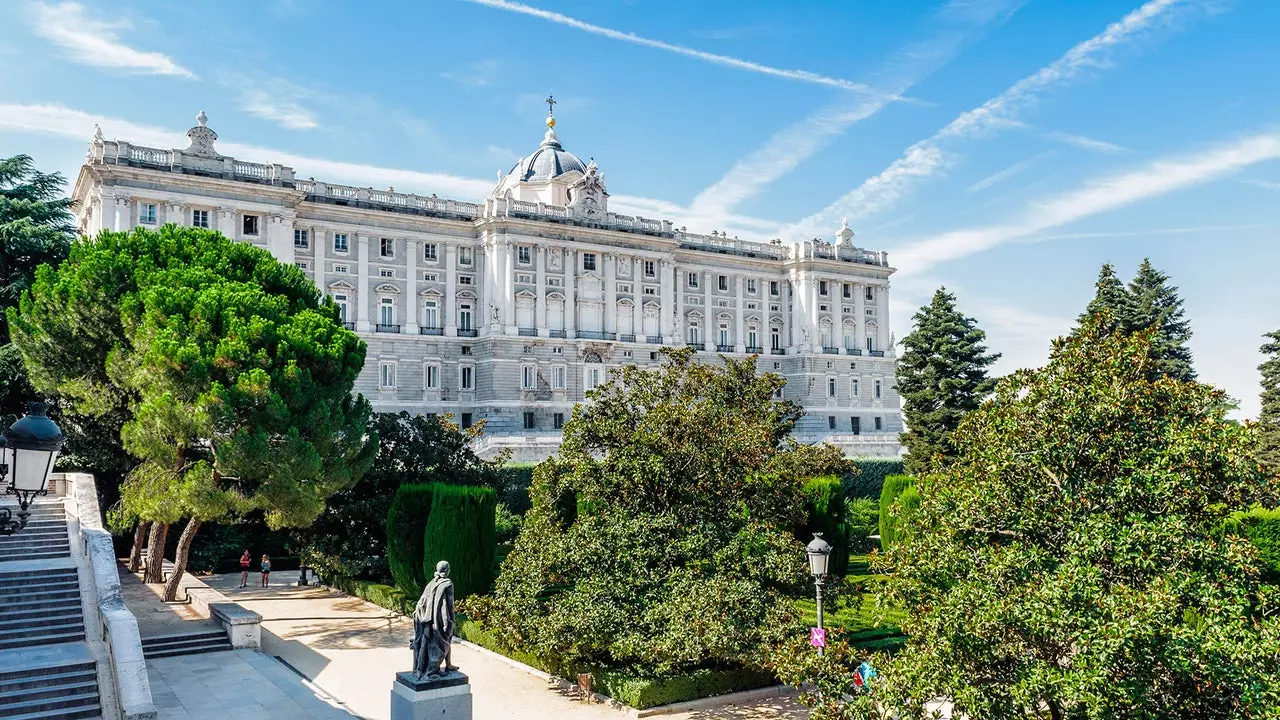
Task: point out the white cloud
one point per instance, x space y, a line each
477 74
1000 112
284 111
78 125
790 146
90 41
1002 175
800 75
1084 143
1105 194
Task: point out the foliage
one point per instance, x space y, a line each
1111 306
1269 417
682 553
862 517
391 598
1262 527
1156 304
825 513
825 681
1070 562
868 476
350 537
506 524
517 477
461 531
405 522
941 376
897 499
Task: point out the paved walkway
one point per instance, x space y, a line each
239 684
155 616
351 650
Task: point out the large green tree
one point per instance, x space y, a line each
941 376
36 227
661 535
234 378
1155 303
1112 299
1072 563
350 536
1269 417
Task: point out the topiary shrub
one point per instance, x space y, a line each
825 513
1262 527
406 521
461 530
862 520
895 486
869 480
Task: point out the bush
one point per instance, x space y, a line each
1262 527
406 521
825 513
461 531
516 479
895 486
862 520
391 598
869 480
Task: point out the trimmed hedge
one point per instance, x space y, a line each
862 517
384 596
1262 527
825 513
406 521
516 479
899 488
461 530
869 480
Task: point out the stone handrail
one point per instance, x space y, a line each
734 246
119 626
119 152
322 191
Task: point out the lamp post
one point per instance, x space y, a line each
819 552
30 447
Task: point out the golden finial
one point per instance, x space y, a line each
551 120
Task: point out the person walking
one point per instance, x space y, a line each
245 561
266 570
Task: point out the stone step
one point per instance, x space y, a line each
51 680
27 584
65 703
39 528
47 620
40 555
45 691
38 593
40 571
21 663
31 632
27 546
159 640
48 605
190 648
40 613
53 639
86 712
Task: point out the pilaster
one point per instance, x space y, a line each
450 271
226 222
507 306
540 302
741 345
365 292
412 303
859 316
610 291
570 293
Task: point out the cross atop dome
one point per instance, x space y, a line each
551 111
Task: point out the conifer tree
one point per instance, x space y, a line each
1153 302
1269 418
1111 296
942 376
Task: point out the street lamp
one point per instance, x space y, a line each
819 552
30 447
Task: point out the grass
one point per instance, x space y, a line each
861 622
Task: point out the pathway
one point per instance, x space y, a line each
352 649
240 684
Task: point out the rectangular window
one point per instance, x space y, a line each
853 388
249 224
751 338
831 387
524 279
649 268
848 290
524 255
624 288
466 420
387 247
773 288
557 420
593 377
465 255
650 290
879 423
557 377
831 422
388 375
555 282
877 389
693 280
822 287
341 269
466 280
430 316
431 379
200 218
340 299
387 311
431 277
724 335
429 251
870 294
722 282
301 265
751 285
529 421
464 317
386 272
147 214
775 339
300 238
466 349
466 377
588 261
528 377
855 425
340 242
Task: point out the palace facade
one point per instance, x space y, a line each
509 310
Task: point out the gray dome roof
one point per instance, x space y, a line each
549 161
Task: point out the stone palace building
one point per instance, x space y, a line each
509 310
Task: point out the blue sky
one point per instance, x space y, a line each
1003 148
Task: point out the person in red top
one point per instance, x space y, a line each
245 561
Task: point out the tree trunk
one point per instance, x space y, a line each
135 556
180 559
1055 712
155 553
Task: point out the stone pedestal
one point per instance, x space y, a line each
443 698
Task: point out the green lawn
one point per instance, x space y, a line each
864 624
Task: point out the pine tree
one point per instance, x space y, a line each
1269 418
942 376
1112 297
1155 303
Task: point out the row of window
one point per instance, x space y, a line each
832 386
855 423
847 290
593 376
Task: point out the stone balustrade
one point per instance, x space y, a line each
119 152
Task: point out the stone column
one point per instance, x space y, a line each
610 292
507 307
364 293
176 213
540 302
280 237
667 275
815 335
488 277
570 293
859 317
450 270
741 319
226 222
637 298
882 318
412 303
709 331
318 241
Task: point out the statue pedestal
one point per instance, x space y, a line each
442 698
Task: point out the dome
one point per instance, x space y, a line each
548 162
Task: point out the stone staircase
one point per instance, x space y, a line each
46 669
214 639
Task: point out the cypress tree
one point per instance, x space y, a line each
1155 303
1269 418
942 376
1112 297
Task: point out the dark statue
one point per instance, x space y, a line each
433 627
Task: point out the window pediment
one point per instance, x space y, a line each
388 288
